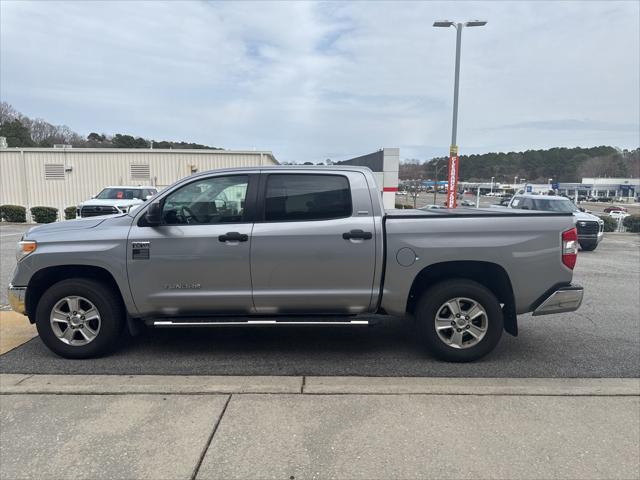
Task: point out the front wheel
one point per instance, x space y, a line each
460 320
79 318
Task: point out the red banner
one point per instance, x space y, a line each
452 182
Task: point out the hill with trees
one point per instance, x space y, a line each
22 131
537 166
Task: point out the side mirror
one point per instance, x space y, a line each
93 196
154 214
581 209
148 197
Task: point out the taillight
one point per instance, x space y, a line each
570 247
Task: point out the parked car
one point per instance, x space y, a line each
256 246
431 207
468 203
590 228
618 214
615 208
114 200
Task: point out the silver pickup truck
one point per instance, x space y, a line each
293 246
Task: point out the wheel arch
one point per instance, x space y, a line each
44 278
491 275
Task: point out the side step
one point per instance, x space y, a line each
171 323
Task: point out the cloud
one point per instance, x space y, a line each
316 80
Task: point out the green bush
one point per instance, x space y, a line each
402 206
610 224
44 214
70 213
632 222
13 213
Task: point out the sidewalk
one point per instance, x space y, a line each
15 330
160 427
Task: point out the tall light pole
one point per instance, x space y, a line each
492 184
452 189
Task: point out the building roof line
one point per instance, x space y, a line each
137 150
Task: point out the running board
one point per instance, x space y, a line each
256 323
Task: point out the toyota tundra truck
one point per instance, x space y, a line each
289 246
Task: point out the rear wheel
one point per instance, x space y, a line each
460 320
79 318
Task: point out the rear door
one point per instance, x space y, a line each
313 246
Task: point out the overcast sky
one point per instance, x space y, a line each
311 81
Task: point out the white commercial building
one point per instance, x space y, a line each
62 177
628 188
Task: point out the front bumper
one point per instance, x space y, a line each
16 298
564 299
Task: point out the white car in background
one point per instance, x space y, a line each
618 214
115 199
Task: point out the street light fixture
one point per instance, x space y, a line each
453 150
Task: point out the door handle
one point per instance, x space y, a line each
357 235
233 237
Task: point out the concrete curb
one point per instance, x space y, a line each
174 384
156 384
473 386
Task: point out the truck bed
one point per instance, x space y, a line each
469 212
525 244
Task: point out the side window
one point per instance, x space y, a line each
291 197
207 201
527 204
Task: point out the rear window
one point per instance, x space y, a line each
294 197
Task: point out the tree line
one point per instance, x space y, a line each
22 131
536 166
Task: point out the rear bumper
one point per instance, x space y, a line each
564 299
16 297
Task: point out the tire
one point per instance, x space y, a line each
588 247
459 343
90 336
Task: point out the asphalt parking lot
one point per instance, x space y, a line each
602 339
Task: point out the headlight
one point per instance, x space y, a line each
25 247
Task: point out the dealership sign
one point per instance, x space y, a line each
453 178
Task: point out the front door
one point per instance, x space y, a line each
304 258
197 261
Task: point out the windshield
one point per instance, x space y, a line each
554 205
121 194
